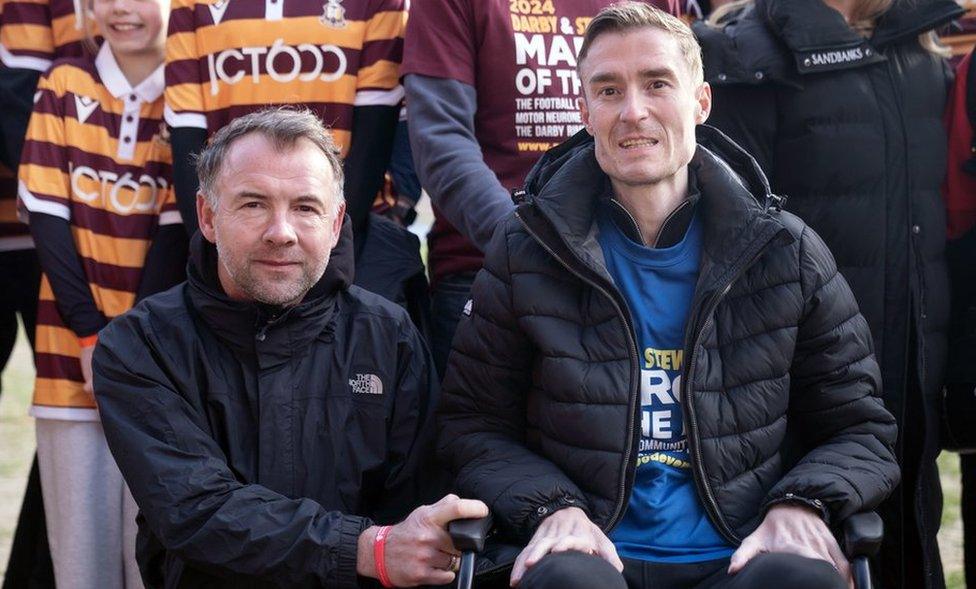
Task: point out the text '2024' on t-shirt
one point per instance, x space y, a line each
664 521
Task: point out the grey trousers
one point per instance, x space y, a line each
91 516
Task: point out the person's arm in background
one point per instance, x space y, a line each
440 59
26 51
165 264
376 108
449 161
184 110
43 191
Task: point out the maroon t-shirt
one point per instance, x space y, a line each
520 56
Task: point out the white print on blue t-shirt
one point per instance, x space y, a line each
664 520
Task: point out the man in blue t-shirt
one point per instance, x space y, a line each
661 380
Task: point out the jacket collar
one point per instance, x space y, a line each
821 40
567 184
242 325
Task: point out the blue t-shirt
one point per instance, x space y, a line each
665 520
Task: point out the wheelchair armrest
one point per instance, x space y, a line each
863 533
468 535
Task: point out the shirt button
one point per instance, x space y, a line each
126 139
722 77
760 75
260 337
133 97
542 510
129 118
916 229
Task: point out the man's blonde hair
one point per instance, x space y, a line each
629 15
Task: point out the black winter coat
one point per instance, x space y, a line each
850 130
540 407
258 443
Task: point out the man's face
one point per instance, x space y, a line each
641 105
275 221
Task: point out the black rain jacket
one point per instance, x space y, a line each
540 404
259 443
850 130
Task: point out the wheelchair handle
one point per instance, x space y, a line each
468 536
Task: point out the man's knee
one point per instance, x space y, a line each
776 569
572 570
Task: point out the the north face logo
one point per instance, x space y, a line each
366 384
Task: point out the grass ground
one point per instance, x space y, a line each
17 443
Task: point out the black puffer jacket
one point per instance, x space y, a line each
540 403
850 129
257 443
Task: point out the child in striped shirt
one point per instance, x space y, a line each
95 179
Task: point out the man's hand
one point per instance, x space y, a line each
86 369
567 529
419 549
796 530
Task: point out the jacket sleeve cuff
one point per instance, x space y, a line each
816 505
545 510
345 573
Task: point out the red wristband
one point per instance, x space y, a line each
88 341
379 555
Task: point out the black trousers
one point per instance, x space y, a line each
30 558
575 570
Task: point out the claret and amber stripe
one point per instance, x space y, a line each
36 32
227 59
95 155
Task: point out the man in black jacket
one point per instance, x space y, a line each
660 372
266 413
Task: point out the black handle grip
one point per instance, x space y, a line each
862 534
468 535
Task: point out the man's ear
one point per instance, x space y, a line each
584 112
704 103
337 222
205 217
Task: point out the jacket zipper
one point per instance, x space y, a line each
635 361
704 490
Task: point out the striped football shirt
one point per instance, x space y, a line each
36 32
227 58
33 33
96 155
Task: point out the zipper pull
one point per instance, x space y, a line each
519 195
776 202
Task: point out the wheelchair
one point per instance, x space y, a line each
861 539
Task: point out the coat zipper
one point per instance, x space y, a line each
704 490
635 361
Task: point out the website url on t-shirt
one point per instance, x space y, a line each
536 145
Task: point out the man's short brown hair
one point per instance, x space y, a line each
622 17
